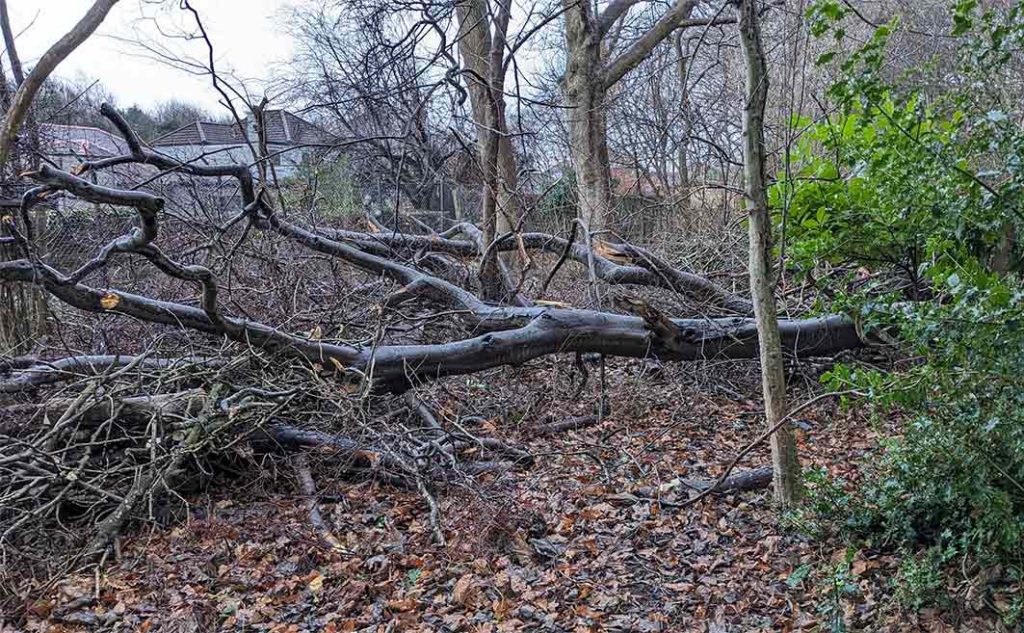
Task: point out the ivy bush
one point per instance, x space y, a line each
906 211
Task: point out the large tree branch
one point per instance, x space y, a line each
12 50
612 13
512 334
635 265
638 51
678 17
531 333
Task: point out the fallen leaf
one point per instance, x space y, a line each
463 592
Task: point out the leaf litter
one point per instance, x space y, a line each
568 545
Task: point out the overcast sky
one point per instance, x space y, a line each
249 36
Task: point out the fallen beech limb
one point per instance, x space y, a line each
292 438
639 266
40 373
746 480
130 407
502 334
301 464
522 334
635 265
368 458
518 456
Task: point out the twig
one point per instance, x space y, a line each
764 436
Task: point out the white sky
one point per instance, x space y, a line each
249 38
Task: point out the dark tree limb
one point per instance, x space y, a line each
518 334
564 426
635 265
301 465
508 335
37 373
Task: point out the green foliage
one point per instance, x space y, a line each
920 583
906 211
558 206
875 187
326 187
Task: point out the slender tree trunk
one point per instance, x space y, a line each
683 154
585 97
483 56
12 50
47 63
762 284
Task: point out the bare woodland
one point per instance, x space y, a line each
574 188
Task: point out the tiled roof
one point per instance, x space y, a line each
202 133
283 128
79 140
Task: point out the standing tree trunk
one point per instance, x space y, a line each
683 154
483 55
785 464
589 77
585 96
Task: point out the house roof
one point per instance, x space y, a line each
79 140
282 128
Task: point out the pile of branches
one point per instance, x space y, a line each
90 444
105 439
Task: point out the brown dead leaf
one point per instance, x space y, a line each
464 592
316 584
403 605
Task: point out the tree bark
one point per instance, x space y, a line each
12 50
501 335
683 154
483 55
786 466
588 77
585 95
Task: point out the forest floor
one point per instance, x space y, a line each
566 545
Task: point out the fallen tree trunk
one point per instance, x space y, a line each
501 334
564 426
614 263
39 373
753 479
536 332
129 407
